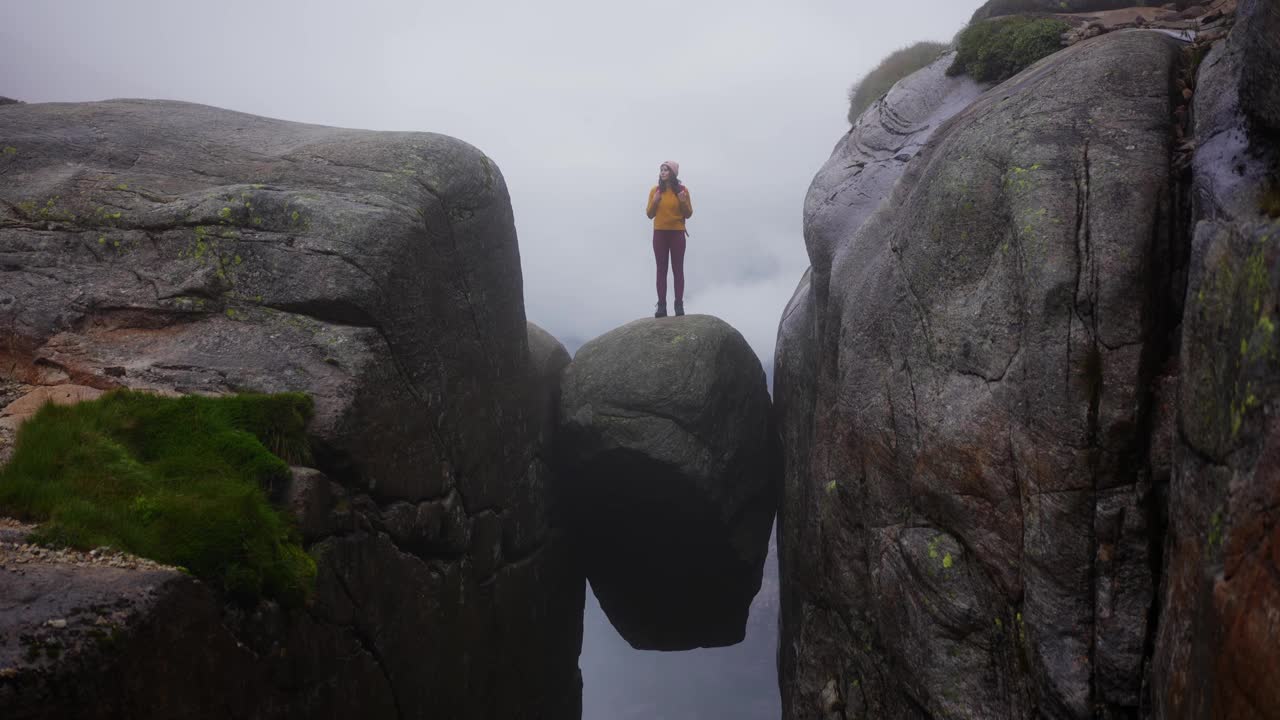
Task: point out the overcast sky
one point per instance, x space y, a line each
577 101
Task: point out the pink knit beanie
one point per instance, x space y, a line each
675 167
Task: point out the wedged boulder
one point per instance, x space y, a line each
184 248
969 534
670 466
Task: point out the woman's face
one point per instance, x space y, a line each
664 173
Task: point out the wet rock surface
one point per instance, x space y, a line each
869 160
964 525
1234 159
1215 654
182 248
670 467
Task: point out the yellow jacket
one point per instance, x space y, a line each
669 211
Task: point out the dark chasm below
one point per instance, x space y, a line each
740 681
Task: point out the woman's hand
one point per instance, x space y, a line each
684 195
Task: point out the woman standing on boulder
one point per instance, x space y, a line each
669 207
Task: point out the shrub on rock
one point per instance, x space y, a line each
997 50
897 65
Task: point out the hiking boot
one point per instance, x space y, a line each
679 308
660 310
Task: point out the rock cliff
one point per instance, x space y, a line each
1020 481
1215 650
183 248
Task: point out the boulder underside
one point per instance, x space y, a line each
670 463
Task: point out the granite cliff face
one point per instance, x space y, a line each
1215 650
183 248
1006 445
868 162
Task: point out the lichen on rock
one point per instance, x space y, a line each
974 388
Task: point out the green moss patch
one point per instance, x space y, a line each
996 50
178 480
897 65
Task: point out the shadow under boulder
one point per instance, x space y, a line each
670 463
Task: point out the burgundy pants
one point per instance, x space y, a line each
669 242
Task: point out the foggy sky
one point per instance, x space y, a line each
577 101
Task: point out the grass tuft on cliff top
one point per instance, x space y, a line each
897 65
996 50
178 480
